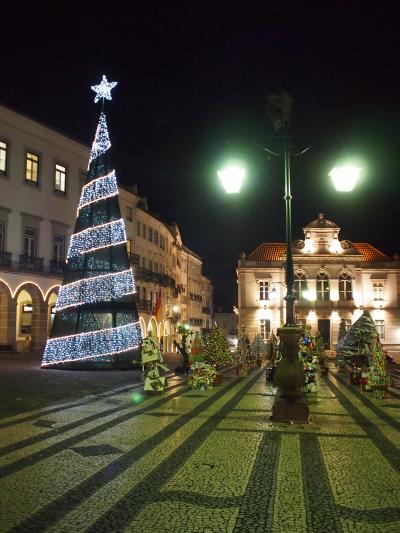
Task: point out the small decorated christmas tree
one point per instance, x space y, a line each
152 364
216 350
196 351
242 354
258 348
309 358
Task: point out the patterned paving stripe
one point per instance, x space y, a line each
38 413
296 432
322 514
370 516
126 509
384 445
67 427
256 511
59 507
69 442
367 402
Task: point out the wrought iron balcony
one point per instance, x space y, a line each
30 263
146 306
56 266
5 259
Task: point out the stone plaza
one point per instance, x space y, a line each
202 461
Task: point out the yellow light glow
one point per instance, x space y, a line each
309 295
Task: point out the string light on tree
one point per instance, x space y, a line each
102 236
101 343
103 288
101 141
98 189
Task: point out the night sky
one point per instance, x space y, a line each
192 85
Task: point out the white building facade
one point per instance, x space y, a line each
334 280
41 174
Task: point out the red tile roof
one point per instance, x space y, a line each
274 251
369 252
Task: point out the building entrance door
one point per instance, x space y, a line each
324 327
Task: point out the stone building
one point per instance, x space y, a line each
335 280
41 174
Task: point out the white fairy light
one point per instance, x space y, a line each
103 288
103 90
92 344
101 141
98 189
97 237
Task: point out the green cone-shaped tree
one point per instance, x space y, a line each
216 348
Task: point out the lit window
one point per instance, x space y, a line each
347 323
345 287
60 178
129 214
263 290
129 245
32 168
3 157
2 235
59 249
300 285
380 328
265 328
322 286
378 291
30 242
26 318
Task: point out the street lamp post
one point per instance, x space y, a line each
290 404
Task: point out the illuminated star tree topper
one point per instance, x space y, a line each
103 90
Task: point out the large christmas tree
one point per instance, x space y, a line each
96 321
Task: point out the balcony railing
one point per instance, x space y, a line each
5 259
146 306
30 263
146 274
56 266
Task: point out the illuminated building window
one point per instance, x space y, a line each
345 287
265 328
300 285
347 323
380 328
32 168
263 290
378 290
60 179
322 286
26 319
129 246
3 157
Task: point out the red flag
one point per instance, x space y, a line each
158 313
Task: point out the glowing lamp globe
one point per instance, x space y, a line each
309 295
232 178
345 178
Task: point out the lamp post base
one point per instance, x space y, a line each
290 404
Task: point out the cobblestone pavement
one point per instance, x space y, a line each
210 461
